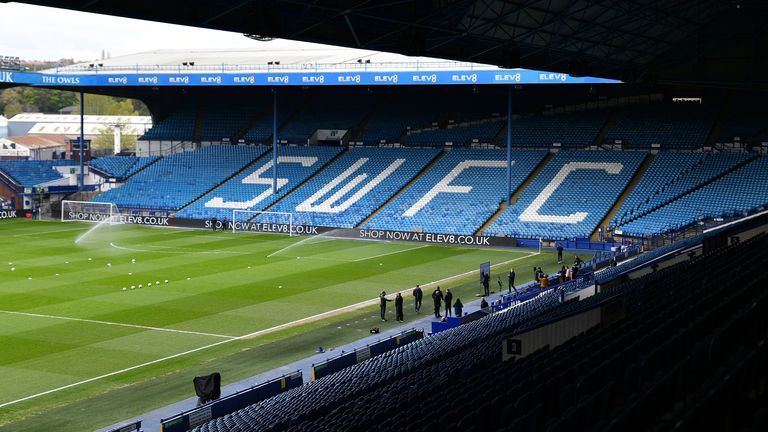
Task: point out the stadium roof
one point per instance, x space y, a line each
720 42
262 55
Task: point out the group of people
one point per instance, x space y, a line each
438 297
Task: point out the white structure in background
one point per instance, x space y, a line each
35 147
69 125
3 127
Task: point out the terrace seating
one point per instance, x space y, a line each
570 196
354 186
739 193
476 186
311 400
33 172
251 189
672 175
459 135
220 122
748 117
391 121
669 125
178 126
121 167
176 180
342 114
578 129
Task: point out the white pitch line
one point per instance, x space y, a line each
390 253
117 324
251 335
36 234
3 405
177 251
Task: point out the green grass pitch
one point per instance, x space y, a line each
79 351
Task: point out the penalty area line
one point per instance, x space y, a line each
313 318
117 324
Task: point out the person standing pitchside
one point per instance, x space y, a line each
448 299
417 296
437 297
399 307
383 305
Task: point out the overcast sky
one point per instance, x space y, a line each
40 33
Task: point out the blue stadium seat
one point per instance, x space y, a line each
354 186
570 196
251 190
178 126
667 124
121 167
176 180
33 172
454 211
738 193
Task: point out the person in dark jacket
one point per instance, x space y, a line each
448 299
399 307
383 305
559 253
437 297
486 283
483 303
511 278
417 296
457 307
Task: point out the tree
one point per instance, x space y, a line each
105 140
106 105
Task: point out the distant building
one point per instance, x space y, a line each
35 147
3 127
56 124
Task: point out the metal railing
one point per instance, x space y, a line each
191 67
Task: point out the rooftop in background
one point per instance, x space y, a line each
47 124
262 59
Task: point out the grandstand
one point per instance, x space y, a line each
458 194
391 170
177 180
548 207
375 175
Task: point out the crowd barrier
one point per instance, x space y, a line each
362 354
229 404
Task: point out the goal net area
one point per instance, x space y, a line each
87 211
263 221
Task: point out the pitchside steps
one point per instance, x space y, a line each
458 194
252 188
354 186
570 196
176 180
624 195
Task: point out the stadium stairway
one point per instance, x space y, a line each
404 188
623 197
198 130
722 117
609 121
734 168
515 194
248 125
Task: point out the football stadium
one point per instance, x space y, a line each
454 215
